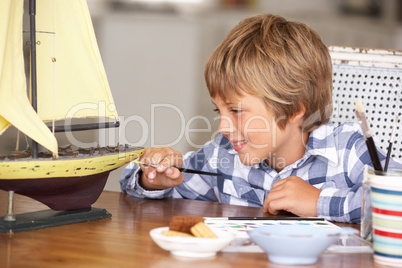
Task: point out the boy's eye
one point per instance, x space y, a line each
236 111
216 110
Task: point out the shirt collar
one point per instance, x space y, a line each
321 144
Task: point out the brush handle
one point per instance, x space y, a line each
388 157
185 170
277 218
373 154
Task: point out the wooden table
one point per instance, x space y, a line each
123 240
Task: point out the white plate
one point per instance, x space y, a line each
191 246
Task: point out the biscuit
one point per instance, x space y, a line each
175 233
184 223
201 230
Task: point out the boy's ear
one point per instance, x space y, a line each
299 115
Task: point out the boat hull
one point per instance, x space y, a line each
63 184
62 193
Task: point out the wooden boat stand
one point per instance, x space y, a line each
12 223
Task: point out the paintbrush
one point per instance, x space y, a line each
367 135
391 141
185 170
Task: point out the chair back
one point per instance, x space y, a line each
374 76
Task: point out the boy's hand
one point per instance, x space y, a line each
164 175
294 195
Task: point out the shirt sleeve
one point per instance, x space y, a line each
129 182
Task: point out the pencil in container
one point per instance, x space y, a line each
375 159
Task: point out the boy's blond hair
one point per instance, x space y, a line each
283 62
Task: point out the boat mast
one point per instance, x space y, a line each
32 14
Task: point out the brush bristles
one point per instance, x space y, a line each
359 105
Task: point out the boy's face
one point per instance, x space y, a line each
253 131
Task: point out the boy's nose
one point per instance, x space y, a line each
225 125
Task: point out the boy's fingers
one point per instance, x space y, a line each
270 209
151 174
272 202
278 183
289 180
163 157
274 206
171 159
162 174
173 173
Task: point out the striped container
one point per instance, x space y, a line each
386 202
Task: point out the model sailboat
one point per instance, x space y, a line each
68 73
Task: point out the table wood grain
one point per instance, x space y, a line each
123 240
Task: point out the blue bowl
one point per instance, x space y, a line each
294 244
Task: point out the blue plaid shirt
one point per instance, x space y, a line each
333 162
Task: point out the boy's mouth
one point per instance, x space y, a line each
239 145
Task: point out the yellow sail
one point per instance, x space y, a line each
15 107
75 83
71 79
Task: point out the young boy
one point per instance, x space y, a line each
271 83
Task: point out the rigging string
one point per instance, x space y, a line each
54 73
17 146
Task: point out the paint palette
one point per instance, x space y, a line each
243 243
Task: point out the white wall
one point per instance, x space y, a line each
155 68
